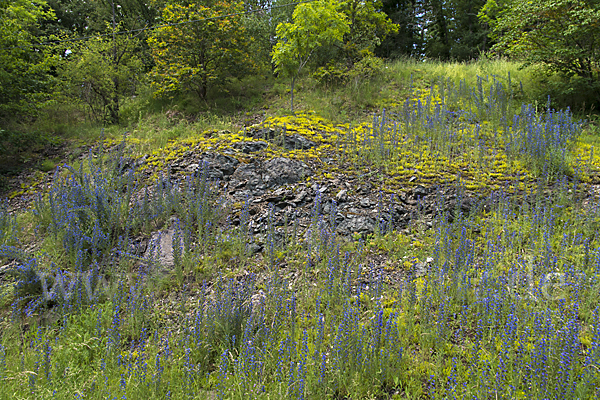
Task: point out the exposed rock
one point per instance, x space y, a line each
254 248
219 165
283 171
263 133
290 142
159 248
128 163
300 197
420 192
298 142
361 224
251 147
342 196
251 177
226 164
421 268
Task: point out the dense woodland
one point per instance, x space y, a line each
97 53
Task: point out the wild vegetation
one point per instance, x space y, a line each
438 238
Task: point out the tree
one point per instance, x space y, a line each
25 81
261 22
437 20
100 72
368 26
72 16
201 50
408 40
468 34
441 29
315 24
560 35
87 18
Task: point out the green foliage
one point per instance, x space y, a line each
100 72
85 18
315 25
191 57
25 81
261 27
72 16
368 27
408 40
556 34
507 282
452 29
336 73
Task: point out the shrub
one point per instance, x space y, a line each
336 73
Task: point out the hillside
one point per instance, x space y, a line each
429 233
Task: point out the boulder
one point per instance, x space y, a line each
361 224
250 147
297 142
281 171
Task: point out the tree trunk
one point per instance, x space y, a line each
292 101
114 107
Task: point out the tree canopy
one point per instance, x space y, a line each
25 81
314 25
193 56
561 35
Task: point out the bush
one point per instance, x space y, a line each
336 73
575 92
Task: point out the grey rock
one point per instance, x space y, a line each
251 174
361 224
342 196
191 168
420 269
263 133
419 191
241 195
297 142
254 248
251 147
300 197
283 171
224 163
160 249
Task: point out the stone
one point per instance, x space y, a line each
284 171
361 224
191 168
251 147
160 249
297 142
419 191
342 196
249 173
263 133
224 163
254 248
300 197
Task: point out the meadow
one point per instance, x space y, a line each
497 300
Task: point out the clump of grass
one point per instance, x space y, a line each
8 223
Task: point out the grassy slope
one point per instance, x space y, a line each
508 309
